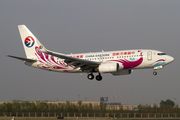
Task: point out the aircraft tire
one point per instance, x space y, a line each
98 77
154 73
90 76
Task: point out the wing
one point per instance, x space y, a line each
85 65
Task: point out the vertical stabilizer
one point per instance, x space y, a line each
29 41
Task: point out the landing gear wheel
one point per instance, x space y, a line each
98 77
90 76
155 73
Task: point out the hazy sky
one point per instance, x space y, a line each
73 26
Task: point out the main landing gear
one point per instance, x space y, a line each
99 77
91 77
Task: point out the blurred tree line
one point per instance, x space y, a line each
167 106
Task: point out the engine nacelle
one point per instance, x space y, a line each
122 72
108 67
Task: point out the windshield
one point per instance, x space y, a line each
161 53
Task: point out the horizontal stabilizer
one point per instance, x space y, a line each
23 59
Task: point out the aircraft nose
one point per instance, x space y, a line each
170 59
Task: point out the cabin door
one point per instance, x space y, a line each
149 55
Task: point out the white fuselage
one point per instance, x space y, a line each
127 59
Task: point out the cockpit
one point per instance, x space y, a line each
161 54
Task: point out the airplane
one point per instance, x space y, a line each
121 62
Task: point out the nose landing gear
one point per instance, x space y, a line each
156 68
154 73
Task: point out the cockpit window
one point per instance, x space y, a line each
161 53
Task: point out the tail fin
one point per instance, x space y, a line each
30 42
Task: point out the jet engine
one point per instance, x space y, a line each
108 67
